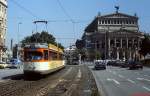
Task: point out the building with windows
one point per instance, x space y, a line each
113 36
3 27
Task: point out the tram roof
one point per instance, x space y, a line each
44 45
55 48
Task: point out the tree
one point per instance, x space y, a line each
145 48
80 44
43 37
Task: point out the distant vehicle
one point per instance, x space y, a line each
3 65
135 65
99 65
14 63
75 62
111 63
124 64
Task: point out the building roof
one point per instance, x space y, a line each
118 15
92 27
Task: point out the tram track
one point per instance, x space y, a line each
66 82
30 88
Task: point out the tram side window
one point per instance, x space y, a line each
45 54
60 56
53 55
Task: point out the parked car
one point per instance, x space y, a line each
124 64
3 65
99 65
135 65
111 63
75 62
14 63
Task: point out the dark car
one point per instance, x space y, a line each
75 62
124 64
111 63
99 65
135 65
117 63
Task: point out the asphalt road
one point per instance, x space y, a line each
8 72
115 81
73 80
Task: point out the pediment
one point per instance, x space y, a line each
118 15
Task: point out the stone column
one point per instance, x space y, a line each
130 57
121 42
127 42
115 42
108 43
117 54
133 43
109 47
124 56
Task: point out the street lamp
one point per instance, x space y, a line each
18 39
18 31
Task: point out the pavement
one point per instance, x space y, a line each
9 72
115 81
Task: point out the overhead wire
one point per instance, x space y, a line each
65 12
25 9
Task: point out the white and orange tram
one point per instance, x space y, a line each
42 58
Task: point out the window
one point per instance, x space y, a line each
32 55
108 21
105 21
60 56
52 55
118 22
45 54
115 22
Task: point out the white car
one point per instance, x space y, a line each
3 65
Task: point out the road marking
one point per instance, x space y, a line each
113 81
137 73
79 74
121 76
147 75
146 88
116 81
114 73
143 79
130 81
68 71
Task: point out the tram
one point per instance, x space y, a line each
42 58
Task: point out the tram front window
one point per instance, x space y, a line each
33 55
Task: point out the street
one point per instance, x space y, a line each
73 80
115 81
9 72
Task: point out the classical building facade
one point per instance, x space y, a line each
114 36
3 27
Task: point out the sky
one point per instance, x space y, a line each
67 18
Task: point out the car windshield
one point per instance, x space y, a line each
33 55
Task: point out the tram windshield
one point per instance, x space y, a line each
33 55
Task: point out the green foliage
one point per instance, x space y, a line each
80 44
145 48
43 37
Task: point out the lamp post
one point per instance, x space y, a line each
18 31
18 39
